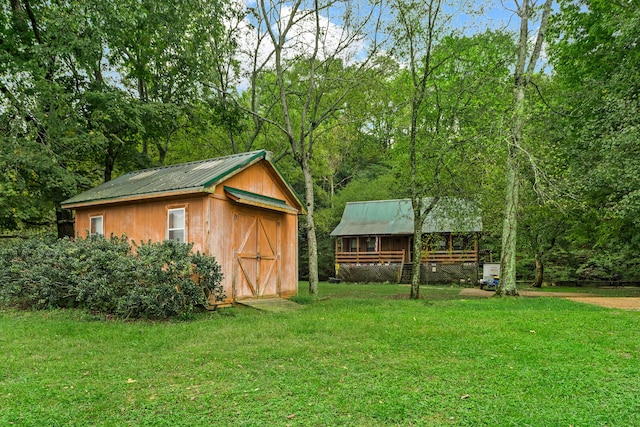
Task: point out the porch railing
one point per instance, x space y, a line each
381 257
449 257
397 257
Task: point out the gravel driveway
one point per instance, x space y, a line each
625 303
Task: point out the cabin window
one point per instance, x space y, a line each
353 245
462 242
96 226
457 243
371 244
176 225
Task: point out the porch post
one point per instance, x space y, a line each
475 247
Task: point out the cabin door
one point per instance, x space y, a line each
257 256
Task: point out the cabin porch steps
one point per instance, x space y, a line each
407 272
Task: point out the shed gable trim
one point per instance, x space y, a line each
258 200
259 155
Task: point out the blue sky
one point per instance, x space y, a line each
470 16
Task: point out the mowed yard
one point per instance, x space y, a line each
362 355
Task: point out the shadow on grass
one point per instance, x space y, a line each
378 291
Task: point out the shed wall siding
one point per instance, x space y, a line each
209 219
145 220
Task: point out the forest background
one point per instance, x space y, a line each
357 100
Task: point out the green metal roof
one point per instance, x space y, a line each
182 178
395 217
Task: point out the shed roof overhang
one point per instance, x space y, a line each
258 200
148 196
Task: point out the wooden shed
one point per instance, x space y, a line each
237 208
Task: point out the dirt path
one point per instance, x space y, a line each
625 303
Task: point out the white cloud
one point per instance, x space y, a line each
256 46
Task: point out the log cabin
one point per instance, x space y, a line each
237 208
374 242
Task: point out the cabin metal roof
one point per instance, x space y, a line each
395 217
182 178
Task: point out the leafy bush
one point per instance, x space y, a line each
601 267
154 280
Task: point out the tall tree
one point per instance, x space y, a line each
86 86
524 68
314 69
446 84
418 25
164 51
48 59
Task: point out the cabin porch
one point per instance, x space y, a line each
440 248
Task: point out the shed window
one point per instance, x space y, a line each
95 226
176 225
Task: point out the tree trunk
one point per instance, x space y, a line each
522 74
65 223
507 284
162 152
539 277
332 190
417 257
109 164
311 227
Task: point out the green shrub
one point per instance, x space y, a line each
601 267
208 275
156 280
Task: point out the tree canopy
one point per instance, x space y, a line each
356 100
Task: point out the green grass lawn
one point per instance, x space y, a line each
363 355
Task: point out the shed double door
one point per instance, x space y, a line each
257 255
